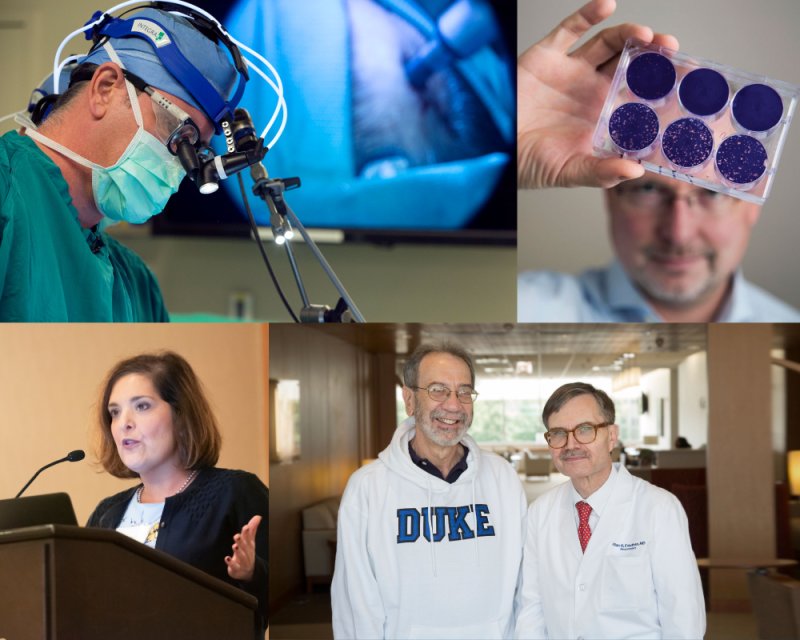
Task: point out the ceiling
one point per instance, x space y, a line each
555 350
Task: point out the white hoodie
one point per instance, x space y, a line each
392 581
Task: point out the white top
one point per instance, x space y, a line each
142 521
597 501
420 558
637 579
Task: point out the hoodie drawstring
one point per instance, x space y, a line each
430 528
475 514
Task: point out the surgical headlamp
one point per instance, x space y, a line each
174 127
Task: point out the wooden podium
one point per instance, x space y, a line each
59 582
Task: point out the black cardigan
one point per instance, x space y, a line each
198 525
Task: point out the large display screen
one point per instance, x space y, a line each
401 119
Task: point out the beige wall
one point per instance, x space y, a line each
50 376
334 414
740 476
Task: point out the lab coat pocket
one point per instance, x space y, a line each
627 583
473 631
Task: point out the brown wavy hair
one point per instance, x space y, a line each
194 426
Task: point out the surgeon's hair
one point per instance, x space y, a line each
76 87
567 392
194 426
411 369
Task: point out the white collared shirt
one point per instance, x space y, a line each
597 501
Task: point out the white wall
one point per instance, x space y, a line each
693 399
656 385
565 229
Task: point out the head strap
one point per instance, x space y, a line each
212 103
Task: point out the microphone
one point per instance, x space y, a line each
72 456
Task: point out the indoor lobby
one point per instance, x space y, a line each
707 412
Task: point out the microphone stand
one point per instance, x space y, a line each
281 219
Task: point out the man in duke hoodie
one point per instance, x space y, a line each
430 535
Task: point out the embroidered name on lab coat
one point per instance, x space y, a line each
627 546
449 521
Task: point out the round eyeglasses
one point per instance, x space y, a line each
441 393
652 197
583 434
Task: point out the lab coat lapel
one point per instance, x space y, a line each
613 519
569 532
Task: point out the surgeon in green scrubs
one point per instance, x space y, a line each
98 154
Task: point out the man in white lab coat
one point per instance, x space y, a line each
607 555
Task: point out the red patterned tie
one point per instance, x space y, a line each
584 532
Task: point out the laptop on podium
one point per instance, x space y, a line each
50 508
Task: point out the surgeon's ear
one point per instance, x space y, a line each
613 436
104 88
410 400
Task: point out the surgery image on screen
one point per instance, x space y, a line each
401 117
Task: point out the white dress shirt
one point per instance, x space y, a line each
596 501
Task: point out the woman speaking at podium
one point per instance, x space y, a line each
155 423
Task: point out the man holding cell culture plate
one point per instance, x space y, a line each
677 247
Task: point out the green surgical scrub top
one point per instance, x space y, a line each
53 270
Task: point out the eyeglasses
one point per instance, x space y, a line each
583 433
172 122
652 197
440 394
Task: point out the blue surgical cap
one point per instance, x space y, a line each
140 58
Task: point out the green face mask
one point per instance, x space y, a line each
138 186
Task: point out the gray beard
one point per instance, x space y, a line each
442 437
653 287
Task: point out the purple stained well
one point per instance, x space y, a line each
633 126
757 107
741 159
687 142
651 76
704 92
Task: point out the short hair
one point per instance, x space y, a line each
194 426
411 369
83 70
567 392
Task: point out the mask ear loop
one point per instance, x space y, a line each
137 113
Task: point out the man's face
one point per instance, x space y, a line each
444 422
576 460
675 252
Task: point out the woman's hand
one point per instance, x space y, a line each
561 96
243 563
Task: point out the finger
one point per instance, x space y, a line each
610 42
609 172
572 28
590 171
665 40
250 528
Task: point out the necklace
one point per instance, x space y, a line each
139 492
